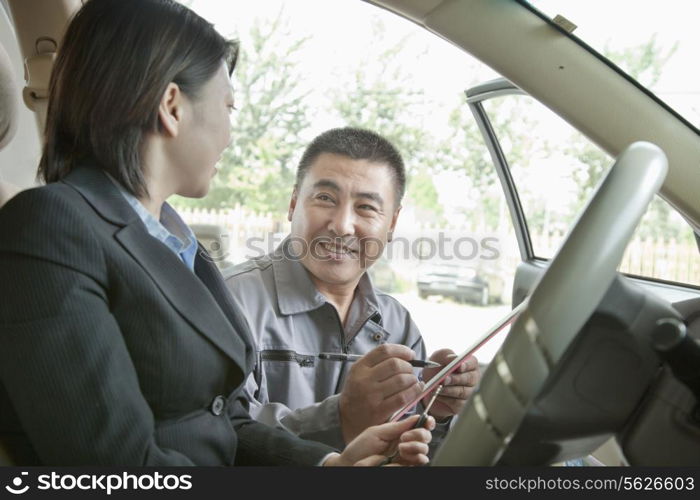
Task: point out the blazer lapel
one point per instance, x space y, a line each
181 287
211 277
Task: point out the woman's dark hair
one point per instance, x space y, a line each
358 144
113 67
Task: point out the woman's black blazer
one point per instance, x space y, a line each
112 351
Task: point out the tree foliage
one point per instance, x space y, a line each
379 94
271 128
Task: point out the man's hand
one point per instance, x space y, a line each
457 387
378 384
373 445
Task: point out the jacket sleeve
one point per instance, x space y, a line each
260 444
262 438
63 361
318 422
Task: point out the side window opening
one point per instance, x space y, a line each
556 168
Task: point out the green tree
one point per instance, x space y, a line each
465 150
257 169
380 95
644 62
423 195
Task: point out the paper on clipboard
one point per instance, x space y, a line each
452 366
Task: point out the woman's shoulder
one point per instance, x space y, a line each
56 195
52 211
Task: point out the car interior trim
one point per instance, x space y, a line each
507 377
607 62
483 414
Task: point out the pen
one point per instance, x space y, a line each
339 356
424 415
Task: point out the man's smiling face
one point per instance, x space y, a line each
343 211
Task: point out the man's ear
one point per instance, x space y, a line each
392 227
292 204
170 110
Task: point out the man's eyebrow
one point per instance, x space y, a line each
367 195
376 197
327 184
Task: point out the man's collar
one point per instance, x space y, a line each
365 291
296 292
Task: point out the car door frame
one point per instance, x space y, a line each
532 266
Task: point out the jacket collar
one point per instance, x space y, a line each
296 293
101 194
194 296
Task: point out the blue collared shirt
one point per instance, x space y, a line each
171 224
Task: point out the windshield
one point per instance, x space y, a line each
656 43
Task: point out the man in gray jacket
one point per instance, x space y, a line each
312 295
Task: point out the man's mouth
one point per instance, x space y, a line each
338 251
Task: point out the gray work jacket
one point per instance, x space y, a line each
291 323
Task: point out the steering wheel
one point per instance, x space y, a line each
560 304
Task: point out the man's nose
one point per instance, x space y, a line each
342 222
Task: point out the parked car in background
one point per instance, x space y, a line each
464 283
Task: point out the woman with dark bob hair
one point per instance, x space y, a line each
118 341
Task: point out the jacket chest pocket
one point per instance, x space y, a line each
290 377
303 360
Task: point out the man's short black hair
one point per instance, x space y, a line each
358 144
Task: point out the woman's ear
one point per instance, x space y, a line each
170 110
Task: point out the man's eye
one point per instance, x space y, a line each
324 197
368 207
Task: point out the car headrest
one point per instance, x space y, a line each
9 97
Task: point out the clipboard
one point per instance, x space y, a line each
434 382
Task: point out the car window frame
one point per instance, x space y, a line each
476 96
501 87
